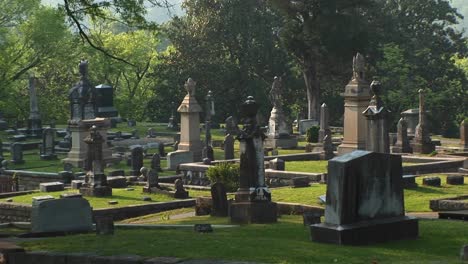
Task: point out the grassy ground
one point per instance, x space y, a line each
284 242
316 166
123 197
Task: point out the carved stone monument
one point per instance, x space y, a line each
105 101
364 202
96 181
190 141
422 142
209 111
278 130
411 116
48 144
376 115
34 120
402 144
253 198
356 95
324 120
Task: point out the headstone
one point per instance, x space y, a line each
364 202
105 101
411 116
231 126
422 142
209 112
327 146
455 179
409 182
143 174
180 192
206 161
279 131
300 182
117 182
172 124
228 144
324 119
220 203
104 225
189 111
356 96
176 158
305 124
308 147
16 150
161 150
48 144
253 198
42 198
135 134
152 179
76 184
377 124
464 135
82 96
51 187
61 215
310 218
277 164
71 195
203 228
97 180
34 120
136 160
402 144
117 173
146 199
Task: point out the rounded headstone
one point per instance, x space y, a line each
432 181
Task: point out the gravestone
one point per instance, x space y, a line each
455 179
161 150
356 96
34 120
310 218
253 198
231 126
105 101
327 146
278 129
189 111
411 116
220 203
136 160
277 164
95 180
143 174
153 174
172 124
207 151
82 96
409 182
151 133
104 225
228 144
422 142
51 186
76 184
176 158
402 144
48 144
135 134
61 215
432 181
180 192
16 150
377 124
364 202
464 135
324 119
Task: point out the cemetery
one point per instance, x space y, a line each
133 141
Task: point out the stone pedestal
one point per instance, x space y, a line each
356 96
254 212
79 131
189 111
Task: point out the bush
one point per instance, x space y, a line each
312 134
226 173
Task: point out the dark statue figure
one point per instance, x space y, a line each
82 96
252 172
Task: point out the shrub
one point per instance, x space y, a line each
226 173
312 134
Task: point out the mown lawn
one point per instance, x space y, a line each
284 242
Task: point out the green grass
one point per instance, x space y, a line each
316 166
284 242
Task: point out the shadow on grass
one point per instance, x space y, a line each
424 189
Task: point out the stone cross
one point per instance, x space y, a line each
402 144
252 185
324 117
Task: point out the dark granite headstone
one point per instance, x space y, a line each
277 164
228 147
51 187
136 160
16 150
219 197
432 181
180 192
105 101
455 179
364 202
310 218
409 181
48 144
203 228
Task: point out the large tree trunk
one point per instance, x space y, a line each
313 90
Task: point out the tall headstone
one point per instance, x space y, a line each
356 96
220 203
190 141
228 144
16 150
364 201
422 142
253 198
209 111
105 101
136 160
327 146
463 135
402 144
278 129
377 127
324 120
96 184
48 144
34 120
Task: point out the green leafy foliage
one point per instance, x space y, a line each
312 134
226 173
